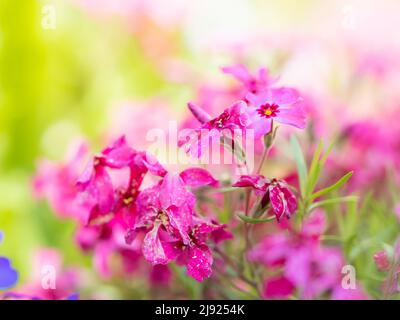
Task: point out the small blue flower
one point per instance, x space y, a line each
8 275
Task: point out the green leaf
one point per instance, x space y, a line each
332 187
301 164
315 170
234 146
332 201
222 190
248 219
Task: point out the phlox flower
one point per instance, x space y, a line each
311 268
57 183
251 83
276 192
277 288
112 210
339 293
107 241
381 260
283 105
57 283
166 213
390 264
96 181
230 123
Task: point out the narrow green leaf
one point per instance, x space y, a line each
326 154
248 219
222 190
332 187
315 169
301 164
332 201
235 148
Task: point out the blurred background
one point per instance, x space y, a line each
84 68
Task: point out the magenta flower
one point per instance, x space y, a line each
276 192
282 105
57 183
309 267
62 287
382 261
97 184
197 256
166 212
251 83
314 269
232 121
339 293
278 288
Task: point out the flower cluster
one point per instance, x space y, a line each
259 102
138 215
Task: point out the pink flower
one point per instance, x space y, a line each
96 181
283 105
310 267
278 288
314 269
348 294
229 123
160 275
276 192
49 280
57 183
382 261
197 256
166 212
251 83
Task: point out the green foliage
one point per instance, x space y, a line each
309 179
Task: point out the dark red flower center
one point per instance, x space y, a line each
268 110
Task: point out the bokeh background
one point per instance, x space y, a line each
93 70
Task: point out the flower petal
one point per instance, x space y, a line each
153 249
200 262
118 155
199 113
277 201
198 177
284 95
257 182
278 288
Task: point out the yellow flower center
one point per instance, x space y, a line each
268 112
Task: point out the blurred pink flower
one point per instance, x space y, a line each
49 279
339 293
278 288
382 261
251 83
310 267
57 183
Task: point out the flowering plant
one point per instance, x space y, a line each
254 233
